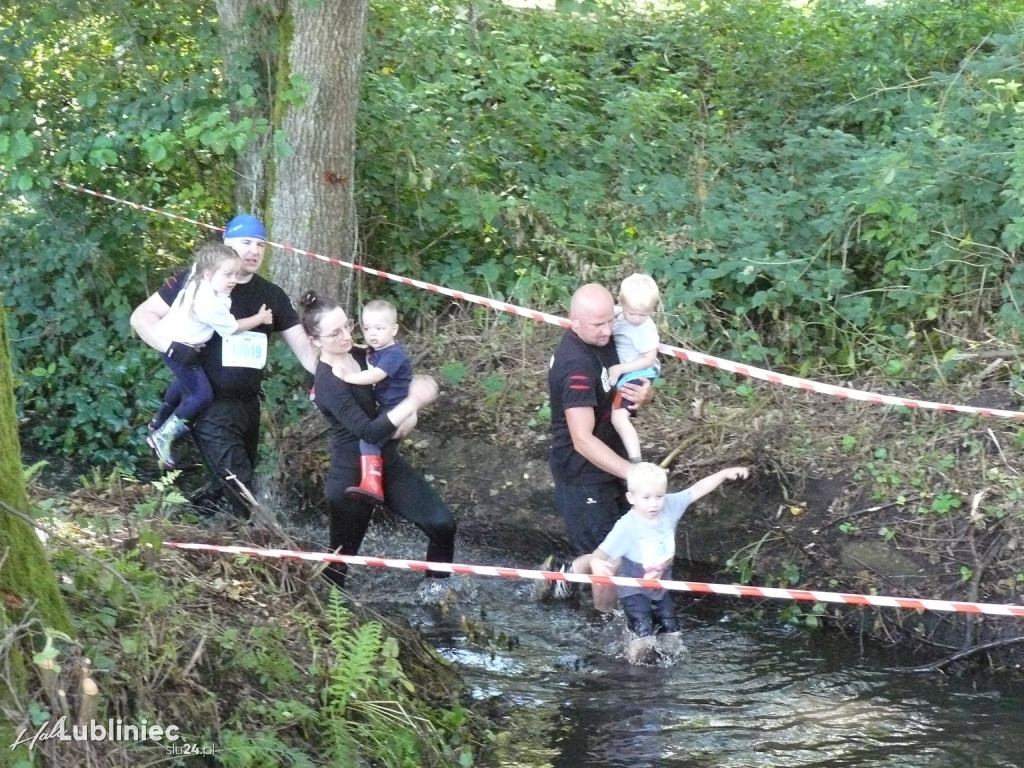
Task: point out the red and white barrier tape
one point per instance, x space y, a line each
733 590
699 358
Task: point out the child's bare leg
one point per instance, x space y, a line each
605 595
624 426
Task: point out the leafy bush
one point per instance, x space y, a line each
84 383
815 213
818 186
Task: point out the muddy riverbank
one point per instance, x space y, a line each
845 496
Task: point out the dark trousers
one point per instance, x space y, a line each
590 512
647 617
227 434
406 492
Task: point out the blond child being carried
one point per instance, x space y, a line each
636 342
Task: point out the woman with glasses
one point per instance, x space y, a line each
351 414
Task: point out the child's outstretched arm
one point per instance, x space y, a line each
711 482
264 317
370 376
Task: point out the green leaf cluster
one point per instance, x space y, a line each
823 186
806 181
68 284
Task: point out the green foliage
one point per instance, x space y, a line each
165 500
366 707
259 750
804 214
744 561
83 382
797 615
859 208
453 372
944 503
132 101
332 691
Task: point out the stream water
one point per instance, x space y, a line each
736 697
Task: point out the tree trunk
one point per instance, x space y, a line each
312 205
250 32
27 582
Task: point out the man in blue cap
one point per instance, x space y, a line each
228 431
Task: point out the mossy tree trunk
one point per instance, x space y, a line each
27 582
250 32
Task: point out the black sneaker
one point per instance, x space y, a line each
544 589
564 589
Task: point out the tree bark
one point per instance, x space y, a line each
250 33
27 582
312 204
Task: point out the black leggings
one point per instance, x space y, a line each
406 492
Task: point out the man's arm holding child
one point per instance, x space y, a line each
145 318
638 363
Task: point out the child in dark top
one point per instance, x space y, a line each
642 545
390 371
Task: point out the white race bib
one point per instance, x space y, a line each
245 349
657 551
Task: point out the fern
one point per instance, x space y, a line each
349 678
28 474
367 711
258 750
355 655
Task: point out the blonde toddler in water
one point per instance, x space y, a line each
642 545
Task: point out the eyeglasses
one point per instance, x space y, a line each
336 333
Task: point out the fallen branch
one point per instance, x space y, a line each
966 654
987 354
683 445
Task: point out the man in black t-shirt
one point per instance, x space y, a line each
588 461
227 432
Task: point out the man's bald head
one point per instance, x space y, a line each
591 312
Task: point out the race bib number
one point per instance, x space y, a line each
657 551
245 349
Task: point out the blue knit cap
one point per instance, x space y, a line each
245 225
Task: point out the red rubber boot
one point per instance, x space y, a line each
372 485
